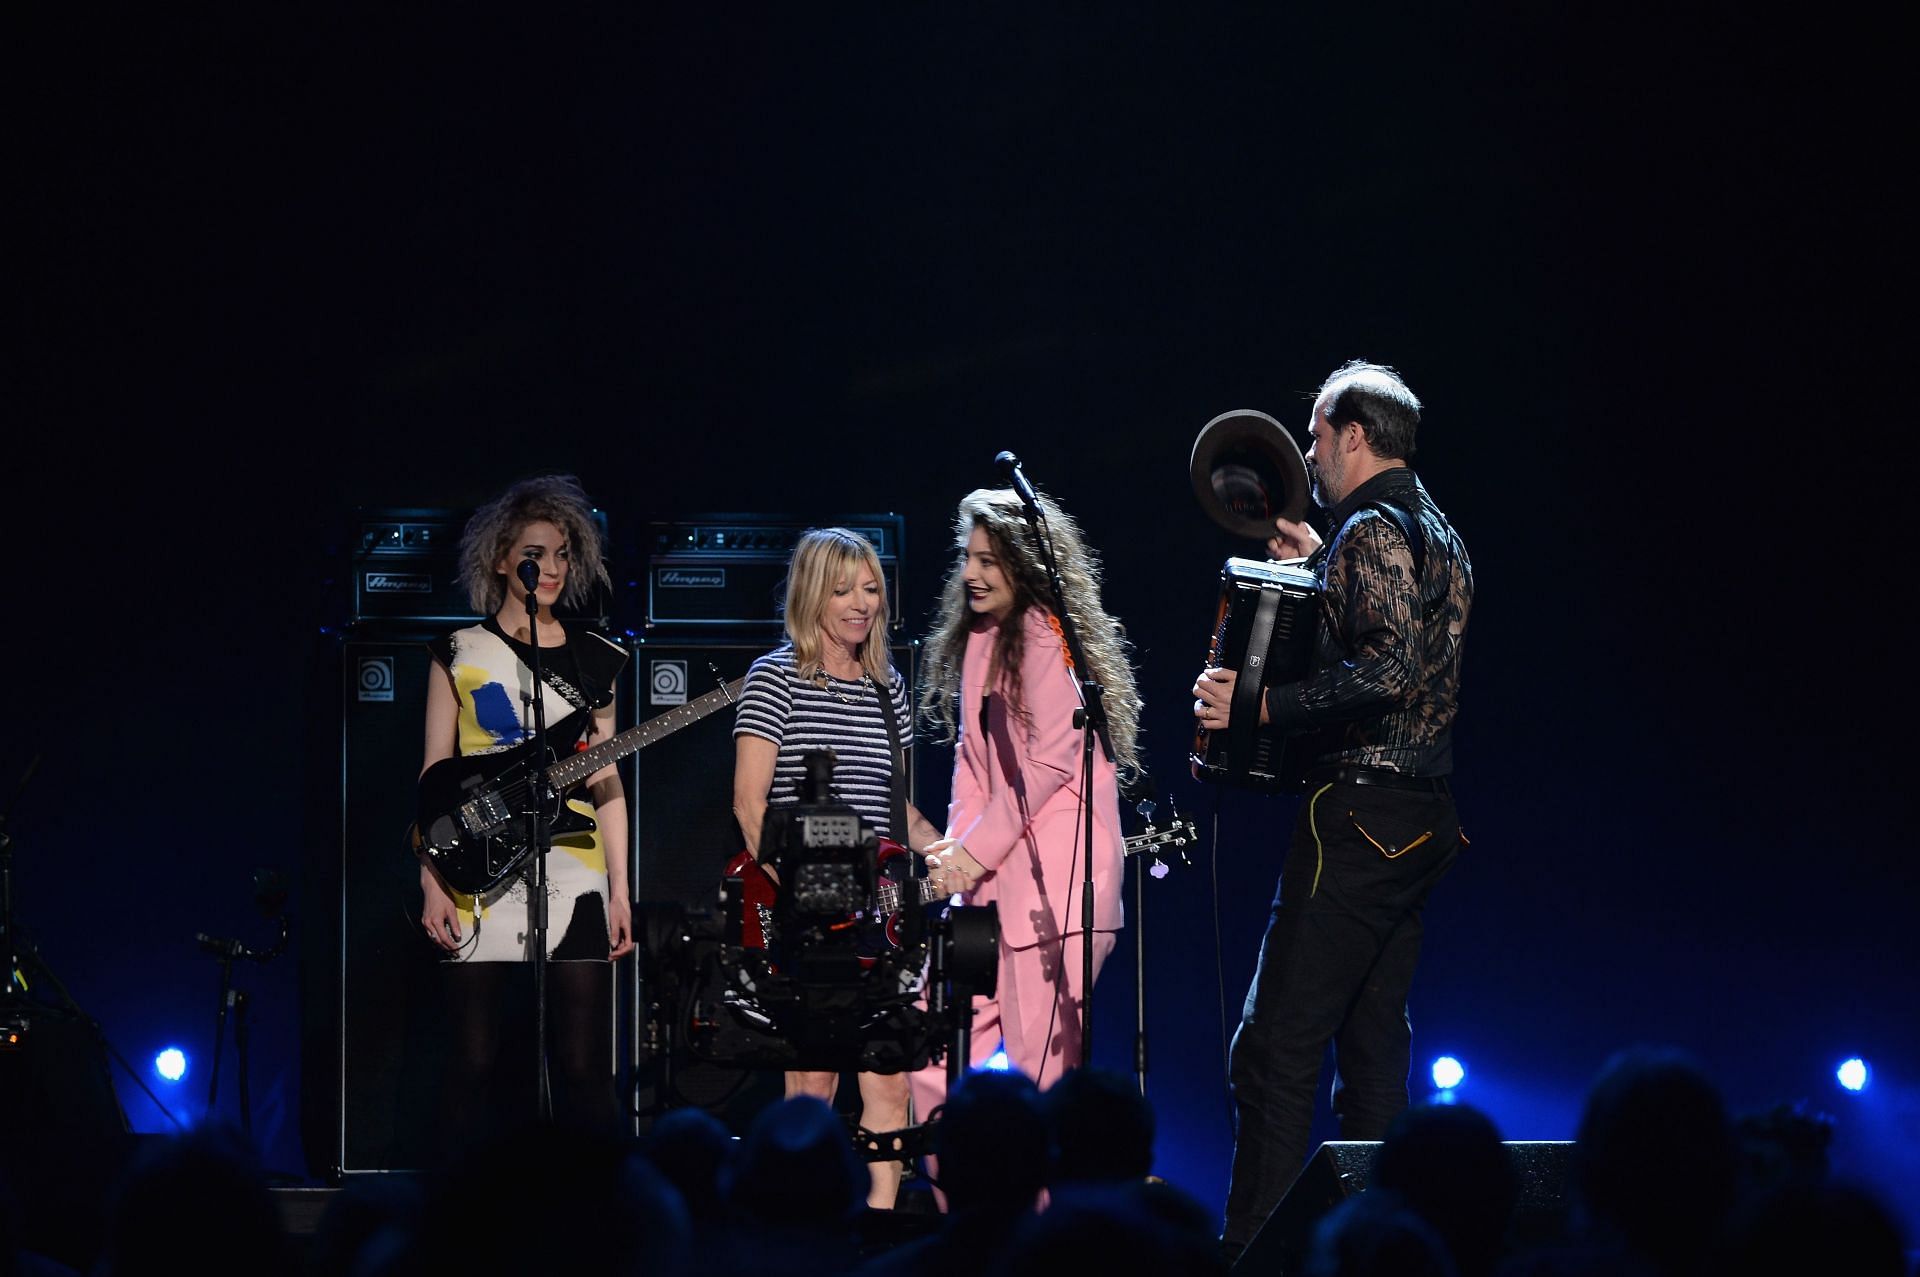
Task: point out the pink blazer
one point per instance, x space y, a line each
1016 794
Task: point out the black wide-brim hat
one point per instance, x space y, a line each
1247 471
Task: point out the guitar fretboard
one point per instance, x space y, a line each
886 897
569 772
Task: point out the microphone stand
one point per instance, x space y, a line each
1139 920
235 1000
1148 862
538 831
1091 719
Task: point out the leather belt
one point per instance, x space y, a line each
1384 777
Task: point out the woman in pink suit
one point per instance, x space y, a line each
1001 681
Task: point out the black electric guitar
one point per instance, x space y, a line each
471 817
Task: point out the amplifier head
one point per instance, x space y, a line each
730 570
405 566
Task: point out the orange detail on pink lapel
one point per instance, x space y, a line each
1066 653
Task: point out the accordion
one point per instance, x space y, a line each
1264 631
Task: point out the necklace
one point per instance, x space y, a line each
866 685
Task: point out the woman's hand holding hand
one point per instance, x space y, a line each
952 866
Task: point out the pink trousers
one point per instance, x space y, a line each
1036 1009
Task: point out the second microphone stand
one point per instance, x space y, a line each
539 834
234 1001
1091 720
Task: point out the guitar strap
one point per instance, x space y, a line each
572 696
897 799
568 692
548 675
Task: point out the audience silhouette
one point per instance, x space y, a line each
792 1194
18 1257
1102 1126
691 1147
1115 1228
371 1220
1662 1181
1375 1234
196 1203
553 1198
1447 1165
993 1161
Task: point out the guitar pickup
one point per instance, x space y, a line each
485 813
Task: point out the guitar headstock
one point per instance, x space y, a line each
1178 834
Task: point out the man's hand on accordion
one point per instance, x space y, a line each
1213 698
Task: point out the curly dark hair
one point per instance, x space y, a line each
1102 637
489 536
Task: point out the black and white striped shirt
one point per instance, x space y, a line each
799 716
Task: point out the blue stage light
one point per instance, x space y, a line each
997 1062
1854 1074
1448 1073
171 1064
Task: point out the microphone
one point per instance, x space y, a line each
225 948
1010 471
529 575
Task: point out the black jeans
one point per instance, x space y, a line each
1335 964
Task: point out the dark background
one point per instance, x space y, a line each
272 265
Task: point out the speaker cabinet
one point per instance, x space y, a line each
374 1023
1339 1169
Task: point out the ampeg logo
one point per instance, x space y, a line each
691 578
399 583
376 678
669 682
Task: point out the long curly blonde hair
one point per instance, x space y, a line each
489 536
1103 638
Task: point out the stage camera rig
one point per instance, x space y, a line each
819 964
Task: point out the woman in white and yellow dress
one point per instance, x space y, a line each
479 701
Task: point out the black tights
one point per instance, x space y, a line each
489 1061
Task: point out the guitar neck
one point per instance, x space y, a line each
570 771
886 897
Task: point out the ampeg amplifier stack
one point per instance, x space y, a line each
406 569
372 1036
711 598
729 571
